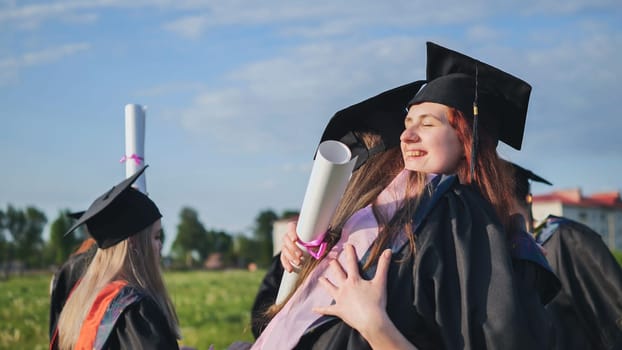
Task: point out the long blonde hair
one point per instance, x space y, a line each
133 260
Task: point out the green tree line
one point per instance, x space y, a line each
22 245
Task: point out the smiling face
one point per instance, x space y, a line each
429 143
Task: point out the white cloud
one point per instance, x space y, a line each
52 54
554 7
189 27
171 89
483 33
322 18
283 103
10 67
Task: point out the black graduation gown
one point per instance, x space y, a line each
142 326
587 312
63 281
460 290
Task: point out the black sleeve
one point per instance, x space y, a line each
266 295
588 310
142 326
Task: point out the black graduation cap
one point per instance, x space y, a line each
119 213
76 214
459 81
522 177
382 114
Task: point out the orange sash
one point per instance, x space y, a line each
88 332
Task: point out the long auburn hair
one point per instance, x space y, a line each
493 176
133 260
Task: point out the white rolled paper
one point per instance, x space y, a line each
330 174
134 157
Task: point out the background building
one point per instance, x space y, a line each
602 212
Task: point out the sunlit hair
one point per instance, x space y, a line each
133 260
493 176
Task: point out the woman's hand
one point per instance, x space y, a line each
358 302
291 254
361 303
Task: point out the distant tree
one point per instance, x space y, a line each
4 244
262 232
4 234
3 237
287 214
221 242
62 246
191 238
246 250
26 229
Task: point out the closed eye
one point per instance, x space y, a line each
429 120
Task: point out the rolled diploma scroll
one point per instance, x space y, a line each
135 144
330 174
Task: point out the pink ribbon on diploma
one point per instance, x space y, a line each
138 159
319 242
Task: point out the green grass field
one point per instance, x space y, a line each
213 308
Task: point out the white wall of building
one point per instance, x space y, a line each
541 210
606 221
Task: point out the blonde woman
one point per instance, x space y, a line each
121 302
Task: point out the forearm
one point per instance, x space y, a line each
384 335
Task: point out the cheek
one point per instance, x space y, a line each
456 152
157 245
450 152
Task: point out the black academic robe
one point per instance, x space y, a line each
587 312
63 281
460 290
142 326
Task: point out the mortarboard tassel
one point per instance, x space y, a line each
474 141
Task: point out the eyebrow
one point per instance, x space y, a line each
428 115
423 116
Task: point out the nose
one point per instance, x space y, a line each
409 135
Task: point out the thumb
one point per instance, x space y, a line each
325 310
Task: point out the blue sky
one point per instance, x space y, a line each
238 92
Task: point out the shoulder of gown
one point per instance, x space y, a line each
142 325
588 310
